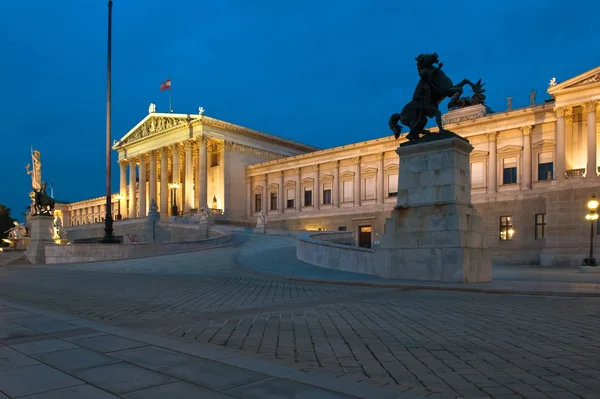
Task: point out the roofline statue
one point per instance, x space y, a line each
433 87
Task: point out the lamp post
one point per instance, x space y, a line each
108 220
174 187
592 217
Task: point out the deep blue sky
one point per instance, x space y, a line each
324 72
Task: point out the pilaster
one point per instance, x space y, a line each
591 169
560 169
526 158
492 182
357 181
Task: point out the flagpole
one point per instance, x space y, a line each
108 222
170 90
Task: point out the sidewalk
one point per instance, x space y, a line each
282 263
45 355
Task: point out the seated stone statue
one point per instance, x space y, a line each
17 232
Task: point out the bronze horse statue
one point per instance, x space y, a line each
43 203
433 87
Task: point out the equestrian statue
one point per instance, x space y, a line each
43 203
433 87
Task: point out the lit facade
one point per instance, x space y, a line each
532 171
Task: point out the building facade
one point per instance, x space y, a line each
532 171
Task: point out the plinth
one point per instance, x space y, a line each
434 232
42 227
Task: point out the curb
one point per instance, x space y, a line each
408 287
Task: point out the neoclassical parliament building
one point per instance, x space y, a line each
533 169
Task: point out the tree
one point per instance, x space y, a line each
6 221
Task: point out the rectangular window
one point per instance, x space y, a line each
545 166
257 202
291 193
214 160
273 201
342 228
393 185
369 187
509 175
506 228
540 226
477 174
307 197
348 191
327 196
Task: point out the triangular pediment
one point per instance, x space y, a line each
588 78
510 148
544 143
479 153
155 124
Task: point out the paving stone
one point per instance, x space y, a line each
213 375
177 390
152 357
51 345
277 388
11 359
49 326
75 359
76 392
121 378
34 379
107 343
14 333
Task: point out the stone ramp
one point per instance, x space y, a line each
9 258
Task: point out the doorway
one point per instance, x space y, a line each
364 236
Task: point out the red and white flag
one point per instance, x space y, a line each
166 85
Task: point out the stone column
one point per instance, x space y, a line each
559 163
316 190
265 194
357 179
248 197
281 198
591 169
299 190
175 175
189 177
526 158
132 176
380 178
202 156
142 185
123 188
152 179
336 184
492 181
164 181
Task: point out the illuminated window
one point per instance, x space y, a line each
506 228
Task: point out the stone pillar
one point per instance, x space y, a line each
132 200
249 198
299 190
591 169
152 179
380 177
189 177
281 198
265 194
164 181
316 189
202 156
142 185
526 158
559 165
336 184
41 230
492 182
123 188
357 179
176 176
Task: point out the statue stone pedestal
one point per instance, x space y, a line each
42 227
434 232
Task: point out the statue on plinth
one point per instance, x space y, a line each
59 233
433 87
17 232
42 203
204 213
261 219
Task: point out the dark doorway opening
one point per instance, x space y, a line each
364 236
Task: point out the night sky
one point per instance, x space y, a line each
323 72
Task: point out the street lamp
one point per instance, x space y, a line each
592 217
174 187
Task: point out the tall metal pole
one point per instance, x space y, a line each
108 221
592 239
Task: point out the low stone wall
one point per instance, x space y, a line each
321 249
77 253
